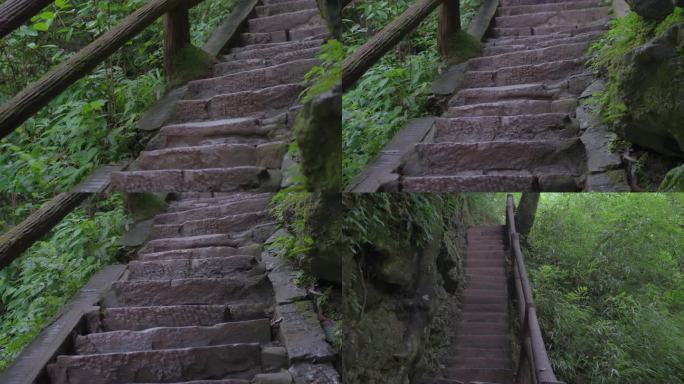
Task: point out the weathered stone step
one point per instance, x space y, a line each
515 107
259 203
485 230
202 253
268 155
487 255
471 183
492 262
535 91
599 25
200 180
532 156
466 361
250 80
260 103
524 74
553 18
285 7
309 33
500 300
286 21
241 65
217 198
226 131
487 238
487 271
509 3
265 51
491 308
532 56
202 291
228 224
250 331
193 268
219 362
466 375
188 243
517 44
482 341
550 7
247 39
545 126
483 246
226 381
141 318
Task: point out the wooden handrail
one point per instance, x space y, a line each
14 13
532 340
382 42
38 94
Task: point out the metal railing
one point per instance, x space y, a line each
534 365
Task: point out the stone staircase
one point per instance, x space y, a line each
481 351
194 305
231 131
512 125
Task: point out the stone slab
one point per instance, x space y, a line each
301 333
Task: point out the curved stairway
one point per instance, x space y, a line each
231 131
481 351
193 306
512 125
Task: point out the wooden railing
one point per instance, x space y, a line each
38 94
382 42
534 365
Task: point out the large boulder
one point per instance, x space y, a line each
652 89
652 9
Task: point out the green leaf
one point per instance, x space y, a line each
41 26
61 4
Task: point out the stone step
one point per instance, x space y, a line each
268 155
535 91
250 80
203 200
285 7
515 108
260 103
266 51
492 262
482 341
546 126
491 308
188 243
518 44
531 156
486 238
524 74
465 354
201 291
486 299
141 318
492 183
250 331
217 362
193 268
561 17
527 57
228 224
599 25
225 381
486 271
466 361
197 180
499 376
484 317
487 255
312 33
202 253
241 65
550 7
259 203
485 230
510 3
482 246
226 131
306 18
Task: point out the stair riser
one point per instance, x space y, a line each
544 55
550 19
276 9
201 253
230 224
241 65
302 19
197 268
549 30
515 107
199 180
523 74
233 208
523 9
529 127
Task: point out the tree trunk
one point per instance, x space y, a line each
449 24
527 209
176 36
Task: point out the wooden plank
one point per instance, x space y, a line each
14 13
382 42
55 339
38 94
226 33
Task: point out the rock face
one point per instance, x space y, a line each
652 9
652 89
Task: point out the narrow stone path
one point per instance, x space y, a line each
512 125
231 131
481 351
193 306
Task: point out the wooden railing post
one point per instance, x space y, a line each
176 36
14 13
449 24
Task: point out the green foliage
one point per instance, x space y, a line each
394 90
607 275
673 181
325 76
462 46
291 209
37 285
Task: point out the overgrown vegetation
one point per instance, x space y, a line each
394 90
607 271
90 124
